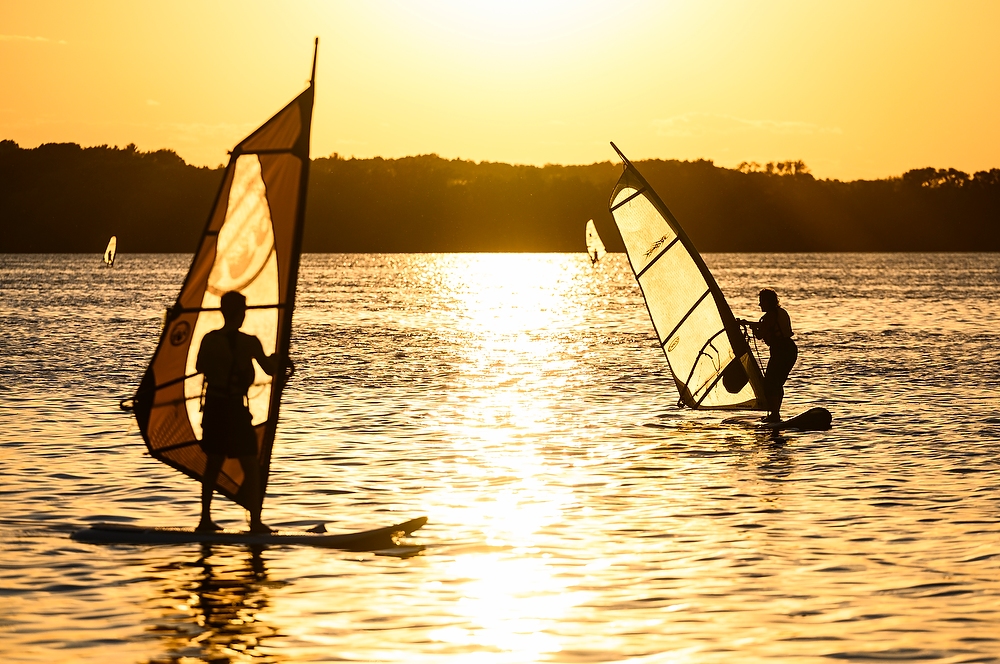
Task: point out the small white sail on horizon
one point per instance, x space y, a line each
595 248
109 253
710 359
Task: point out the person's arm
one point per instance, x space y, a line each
751 325
269 363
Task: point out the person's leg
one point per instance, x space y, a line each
779 366
777 397
771 390
251 480
212 469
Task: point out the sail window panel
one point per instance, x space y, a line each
672 286
263 324
244 261
642 228
246 238
694 362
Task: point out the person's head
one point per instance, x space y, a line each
234 309
767 299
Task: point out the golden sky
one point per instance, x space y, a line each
855 89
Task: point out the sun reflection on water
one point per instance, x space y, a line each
510 605
510 597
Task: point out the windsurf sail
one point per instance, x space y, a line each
251 244
595 248
109 253
709 356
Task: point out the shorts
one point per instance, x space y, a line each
227 428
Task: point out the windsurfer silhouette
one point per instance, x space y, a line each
775 329
226 359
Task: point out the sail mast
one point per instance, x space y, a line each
285 335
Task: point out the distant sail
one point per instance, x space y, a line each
109 253
595 248
251 244
709 357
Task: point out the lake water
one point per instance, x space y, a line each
521 403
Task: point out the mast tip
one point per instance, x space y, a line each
312 74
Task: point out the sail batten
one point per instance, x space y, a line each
627 200
658 256
708 356
251 244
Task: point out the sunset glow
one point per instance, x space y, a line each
853 89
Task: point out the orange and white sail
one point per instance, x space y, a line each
251 244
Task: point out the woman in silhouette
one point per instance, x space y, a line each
775 329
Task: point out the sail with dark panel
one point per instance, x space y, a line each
710 359
251 244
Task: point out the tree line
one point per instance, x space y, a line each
67 198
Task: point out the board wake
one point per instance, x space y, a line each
365 540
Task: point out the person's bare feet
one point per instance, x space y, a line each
207 527
260 527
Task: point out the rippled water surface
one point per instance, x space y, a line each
521 403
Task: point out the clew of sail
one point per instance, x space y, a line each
595 248
109 253
251 244
709 357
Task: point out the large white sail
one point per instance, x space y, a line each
595 248
251 244
709 357
109 253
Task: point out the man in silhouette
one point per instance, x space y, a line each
226 359
775 329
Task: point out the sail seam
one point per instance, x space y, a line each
684 318
157 388
628 199
657 257
195 310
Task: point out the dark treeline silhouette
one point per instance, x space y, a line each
64 198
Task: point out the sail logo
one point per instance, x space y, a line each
180 332
673 344
656 245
